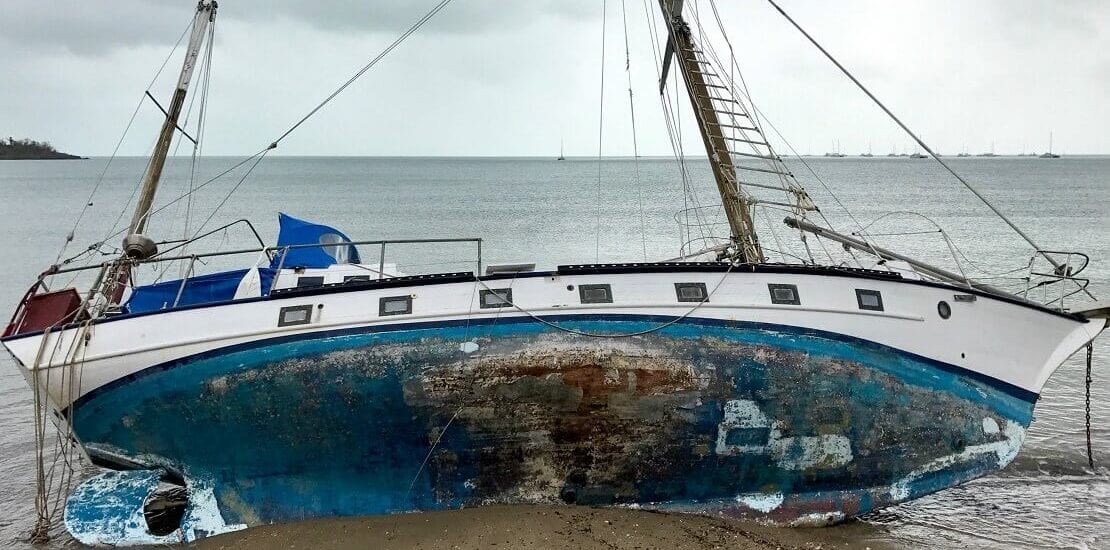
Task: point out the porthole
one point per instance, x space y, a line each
944 310
309 281
871 300
499 297
595 294
295 315
395 305
784 294
691 292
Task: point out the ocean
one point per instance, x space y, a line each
538 210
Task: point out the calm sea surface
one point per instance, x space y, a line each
546 212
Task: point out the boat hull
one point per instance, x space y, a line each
702 416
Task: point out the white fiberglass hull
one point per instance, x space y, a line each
811 409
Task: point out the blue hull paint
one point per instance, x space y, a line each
702 417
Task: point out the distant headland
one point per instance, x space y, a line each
29 149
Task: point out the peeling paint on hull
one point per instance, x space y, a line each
702 417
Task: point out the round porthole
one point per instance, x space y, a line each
944 309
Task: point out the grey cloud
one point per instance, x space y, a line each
93 28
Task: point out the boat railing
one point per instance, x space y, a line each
1052 277
94 301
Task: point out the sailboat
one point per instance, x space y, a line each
989 154
836 151
1049 154
730 381
561 157
868 153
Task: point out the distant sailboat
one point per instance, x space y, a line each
964 152
990 154
836 153
1049 154
561 157
868 153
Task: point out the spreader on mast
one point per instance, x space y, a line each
135 244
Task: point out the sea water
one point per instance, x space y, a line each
552 212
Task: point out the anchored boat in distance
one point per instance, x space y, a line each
736 380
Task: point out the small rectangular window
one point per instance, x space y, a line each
784 294
309 281
499 297
595 294
295 315
691 292
869 299
356 279
395 305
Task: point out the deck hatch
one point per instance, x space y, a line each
395 305
595 294
496 297
356 279
691 292
784 294
295 315
871 300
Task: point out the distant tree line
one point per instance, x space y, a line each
29 149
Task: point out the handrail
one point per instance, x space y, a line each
185 242
478 241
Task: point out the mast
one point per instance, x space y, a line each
720 158
135 244
206 13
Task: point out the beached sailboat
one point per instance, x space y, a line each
730 381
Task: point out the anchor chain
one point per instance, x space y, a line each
1090 355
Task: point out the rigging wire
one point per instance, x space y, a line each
358 74
374 61
909 132
600 130
635 144
115 151
674 134
202 120
397 42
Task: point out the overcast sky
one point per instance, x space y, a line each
515 77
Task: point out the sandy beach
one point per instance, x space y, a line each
523 527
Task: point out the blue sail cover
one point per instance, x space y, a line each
201 289
293 231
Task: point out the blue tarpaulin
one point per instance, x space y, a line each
202 289
293 231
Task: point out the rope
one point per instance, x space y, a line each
1090 356
635 142
600 131
625 335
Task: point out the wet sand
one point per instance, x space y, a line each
525 527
